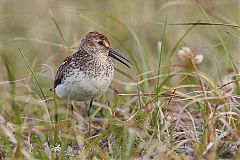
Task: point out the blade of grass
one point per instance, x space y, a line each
141 50
160 55
36 40
234 35
58 28
34 76
206 24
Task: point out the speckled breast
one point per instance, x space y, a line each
89 83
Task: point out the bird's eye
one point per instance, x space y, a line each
100 42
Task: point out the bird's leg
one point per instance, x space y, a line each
89 118
71 110
70 114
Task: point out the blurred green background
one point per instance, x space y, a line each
131 25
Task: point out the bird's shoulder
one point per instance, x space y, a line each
77 61
61 71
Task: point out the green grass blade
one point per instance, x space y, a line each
34 76
160 54
58 28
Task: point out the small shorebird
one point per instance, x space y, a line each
88 72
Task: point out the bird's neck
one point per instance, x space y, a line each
92 54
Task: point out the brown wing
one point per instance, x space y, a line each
80 58
62 71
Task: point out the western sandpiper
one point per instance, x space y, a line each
88 72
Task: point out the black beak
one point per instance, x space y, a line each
114 54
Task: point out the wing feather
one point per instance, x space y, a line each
62 71
80 57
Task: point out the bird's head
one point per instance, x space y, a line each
97 43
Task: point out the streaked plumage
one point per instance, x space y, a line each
88 72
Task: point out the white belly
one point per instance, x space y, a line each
80 87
